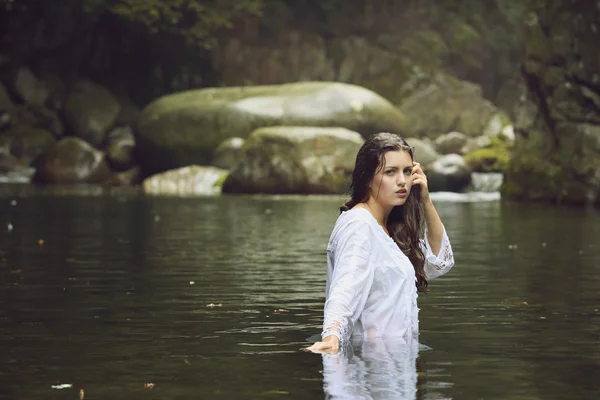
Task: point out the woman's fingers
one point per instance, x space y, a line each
322 348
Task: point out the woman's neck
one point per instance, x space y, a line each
379 213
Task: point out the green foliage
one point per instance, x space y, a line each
219 182
197 21
493 158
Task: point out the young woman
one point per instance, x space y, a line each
376 258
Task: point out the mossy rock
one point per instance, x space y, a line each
227 153
185 128
72 160
493 158
295 160
193 180
439 103
27 143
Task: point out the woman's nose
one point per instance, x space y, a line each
401 180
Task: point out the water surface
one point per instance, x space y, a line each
125 296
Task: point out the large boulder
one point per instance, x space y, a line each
423 151
37 117
191 180
72 160
449 174
288 159
120 144
27 143
13 170
557 147
91 110
491 158
228 152
437 104
29 88
185 128
452 143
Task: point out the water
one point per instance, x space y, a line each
127 297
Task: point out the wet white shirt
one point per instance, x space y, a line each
371 284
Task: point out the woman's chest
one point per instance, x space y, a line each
392 268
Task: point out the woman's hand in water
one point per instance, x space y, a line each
419 178
329 345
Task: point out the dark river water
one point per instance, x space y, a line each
123 296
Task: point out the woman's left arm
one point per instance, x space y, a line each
435 228
439 258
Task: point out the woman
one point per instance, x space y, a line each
376 258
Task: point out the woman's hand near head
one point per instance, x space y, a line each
329 345
419 178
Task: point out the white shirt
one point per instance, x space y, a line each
371 284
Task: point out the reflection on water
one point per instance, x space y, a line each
213 298
375 368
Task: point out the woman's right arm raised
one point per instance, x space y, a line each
349 289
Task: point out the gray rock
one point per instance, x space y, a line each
90 111
27 143
227 154
72 160
440 103
29 88
453 142
448 174
132 176
187 181
557 148
57 90
38 117
13 170
186 128
299 160
423 152
120 146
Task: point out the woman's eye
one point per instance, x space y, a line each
407 171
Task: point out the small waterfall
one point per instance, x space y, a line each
483 187
486 182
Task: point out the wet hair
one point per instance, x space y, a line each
404 222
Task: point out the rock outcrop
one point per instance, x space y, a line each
558 125
295 160
185 128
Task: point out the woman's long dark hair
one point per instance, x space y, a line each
404 222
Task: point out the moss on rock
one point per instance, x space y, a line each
185 128
492 158
295 160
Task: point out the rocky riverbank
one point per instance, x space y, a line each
291 138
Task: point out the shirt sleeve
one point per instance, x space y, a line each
351 281
437 265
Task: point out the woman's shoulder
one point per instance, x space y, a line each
357 214
356 219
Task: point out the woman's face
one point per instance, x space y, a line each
391 185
